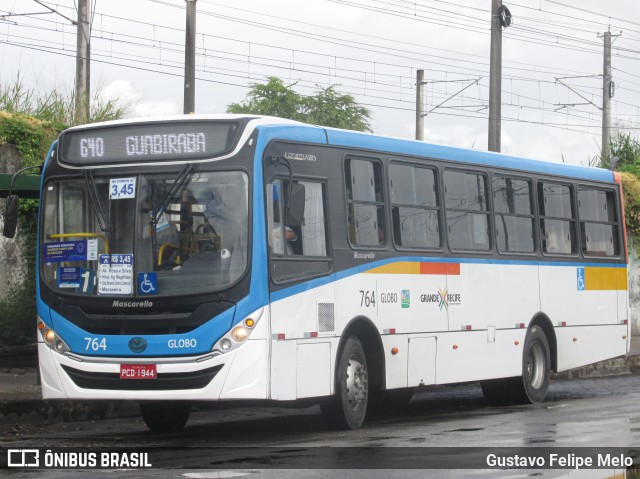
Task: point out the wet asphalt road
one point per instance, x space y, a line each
597 413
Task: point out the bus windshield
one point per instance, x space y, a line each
145 234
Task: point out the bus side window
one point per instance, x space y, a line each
557 218
598 222
305 239
365 202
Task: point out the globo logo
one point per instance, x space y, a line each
182 343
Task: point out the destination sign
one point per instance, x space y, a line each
148 142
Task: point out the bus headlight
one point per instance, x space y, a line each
51 339
238 335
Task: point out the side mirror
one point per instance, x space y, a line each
10 217
295 208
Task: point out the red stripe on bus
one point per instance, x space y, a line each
440 268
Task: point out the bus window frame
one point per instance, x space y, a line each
618 224
437 175
574 216
289 258
384 203
486 173
534 213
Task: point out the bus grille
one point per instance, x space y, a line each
164 381
326 318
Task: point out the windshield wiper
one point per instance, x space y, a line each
175 188
95 202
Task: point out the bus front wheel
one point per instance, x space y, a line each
348 407
165 416
532 386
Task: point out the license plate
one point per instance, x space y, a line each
138 371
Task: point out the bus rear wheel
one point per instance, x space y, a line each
348 407
532 386
165 416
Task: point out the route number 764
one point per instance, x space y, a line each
94 344
367 299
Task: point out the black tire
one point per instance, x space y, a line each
348 407
165 416
532 386
536 367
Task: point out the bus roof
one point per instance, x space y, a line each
366 141
284 129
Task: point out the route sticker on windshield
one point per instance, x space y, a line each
162 224
92 249
65 251
115 274
122 188
68 277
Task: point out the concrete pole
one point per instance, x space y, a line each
83 52
190 59
495 81
420 105
606 97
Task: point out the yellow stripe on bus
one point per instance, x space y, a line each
605 279
401 267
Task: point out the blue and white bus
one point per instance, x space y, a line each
225 258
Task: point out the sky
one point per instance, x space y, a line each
552 61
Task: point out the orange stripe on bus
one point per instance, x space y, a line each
409 267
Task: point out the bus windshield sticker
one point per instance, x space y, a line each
148 283
65 251
115 274
122 188
162 224
87 281
68 277
92 249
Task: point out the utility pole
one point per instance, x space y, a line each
83 52
607 94
190 59
420 105
495 81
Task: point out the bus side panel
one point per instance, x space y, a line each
579 346
501 295
300 318
624 313
579 295
472 355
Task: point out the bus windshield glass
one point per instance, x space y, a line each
146 234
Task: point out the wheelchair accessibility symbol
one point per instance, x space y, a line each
581 281
147 283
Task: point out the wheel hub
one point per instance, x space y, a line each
536 365
357 383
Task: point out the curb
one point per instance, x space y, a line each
621 366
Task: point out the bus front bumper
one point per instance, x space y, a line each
239 374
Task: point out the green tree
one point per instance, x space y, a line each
627 149
327 107
31 118
331 108
56 105
273 98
